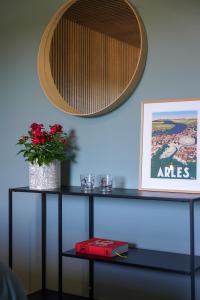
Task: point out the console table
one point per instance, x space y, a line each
143 258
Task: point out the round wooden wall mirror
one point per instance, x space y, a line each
92 55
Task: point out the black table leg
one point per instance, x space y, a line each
91 279
91 234
192 251
10 218
60 245
43 242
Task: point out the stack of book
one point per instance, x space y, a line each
102 247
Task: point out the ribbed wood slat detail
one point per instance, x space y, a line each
111 17
92 55
98 69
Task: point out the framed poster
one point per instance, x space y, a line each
170 146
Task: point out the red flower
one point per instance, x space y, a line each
36 126
56 128
37 133
64 141
53 130
36 141
42 140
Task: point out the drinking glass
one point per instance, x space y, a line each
87 182
105 182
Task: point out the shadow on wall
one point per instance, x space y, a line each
65 173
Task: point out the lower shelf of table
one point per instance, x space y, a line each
52 295
158 260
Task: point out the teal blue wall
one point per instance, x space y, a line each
108 143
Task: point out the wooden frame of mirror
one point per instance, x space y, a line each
92 55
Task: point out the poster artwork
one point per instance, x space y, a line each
174 145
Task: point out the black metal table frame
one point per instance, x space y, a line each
118 193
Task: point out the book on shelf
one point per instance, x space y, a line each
101 247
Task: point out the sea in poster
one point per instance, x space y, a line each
174 145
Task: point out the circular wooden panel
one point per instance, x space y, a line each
92 55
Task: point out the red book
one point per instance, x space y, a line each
102 247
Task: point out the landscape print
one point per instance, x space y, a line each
174 145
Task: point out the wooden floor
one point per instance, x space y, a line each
50 295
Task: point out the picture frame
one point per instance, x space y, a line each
170 145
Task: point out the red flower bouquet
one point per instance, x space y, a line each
43 147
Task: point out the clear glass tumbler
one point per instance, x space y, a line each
105 182
87 182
